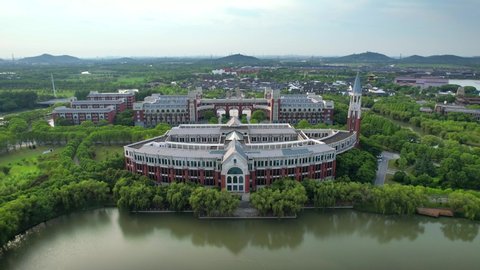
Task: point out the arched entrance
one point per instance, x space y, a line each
234 112
235 180
220 112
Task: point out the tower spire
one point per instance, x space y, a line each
354 109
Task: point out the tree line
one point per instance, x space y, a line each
144 194
15 100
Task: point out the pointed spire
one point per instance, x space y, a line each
357 86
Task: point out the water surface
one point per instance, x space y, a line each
474 83
108 239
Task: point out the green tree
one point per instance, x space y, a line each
258 115
178 196
284 197
124 118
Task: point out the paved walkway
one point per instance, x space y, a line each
383 167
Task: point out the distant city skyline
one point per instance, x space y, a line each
90 28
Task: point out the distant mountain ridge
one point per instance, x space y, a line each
373 57
366 57
440 59
50 59
238 58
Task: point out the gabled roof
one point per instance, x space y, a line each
235 147
234 135
234 122
357 86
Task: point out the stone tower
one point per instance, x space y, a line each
354 109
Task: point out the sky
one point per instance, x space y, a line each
135 28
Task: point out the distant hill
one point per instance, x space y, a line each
238 58
373 57
440 59
366 57
48 59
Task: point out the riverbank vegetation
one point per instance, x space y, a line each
391 199
57 182
142 194
283 198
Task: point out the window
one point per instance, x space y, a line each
235 179
235 170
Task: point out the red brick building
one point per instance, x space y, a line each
238 157
120 105
77 116
188 109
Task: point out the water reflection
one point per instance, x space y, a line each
382 228
460 231
108 239
62 226
236 235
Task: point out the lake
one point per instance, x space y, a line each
474 83
341 239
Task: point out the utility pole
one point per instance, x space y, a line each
53 86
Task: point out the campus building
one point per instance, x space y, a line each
97 107
423 82
445 109
189 109
77 116
242 157
462 99
460 106
120 105
128 95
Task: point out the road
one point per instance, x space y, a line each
383 166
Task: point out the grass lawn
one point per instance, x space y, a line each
391 164
102 152
25 160
389 179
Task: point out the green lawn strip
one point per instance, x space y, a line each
15 156
103 152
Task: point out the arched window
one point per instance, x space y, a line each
235 170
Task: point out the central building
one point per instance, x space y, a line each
238 157
242 157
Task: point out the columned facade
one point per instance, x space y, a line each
186 109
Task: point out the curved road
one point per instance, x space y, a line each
383 166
